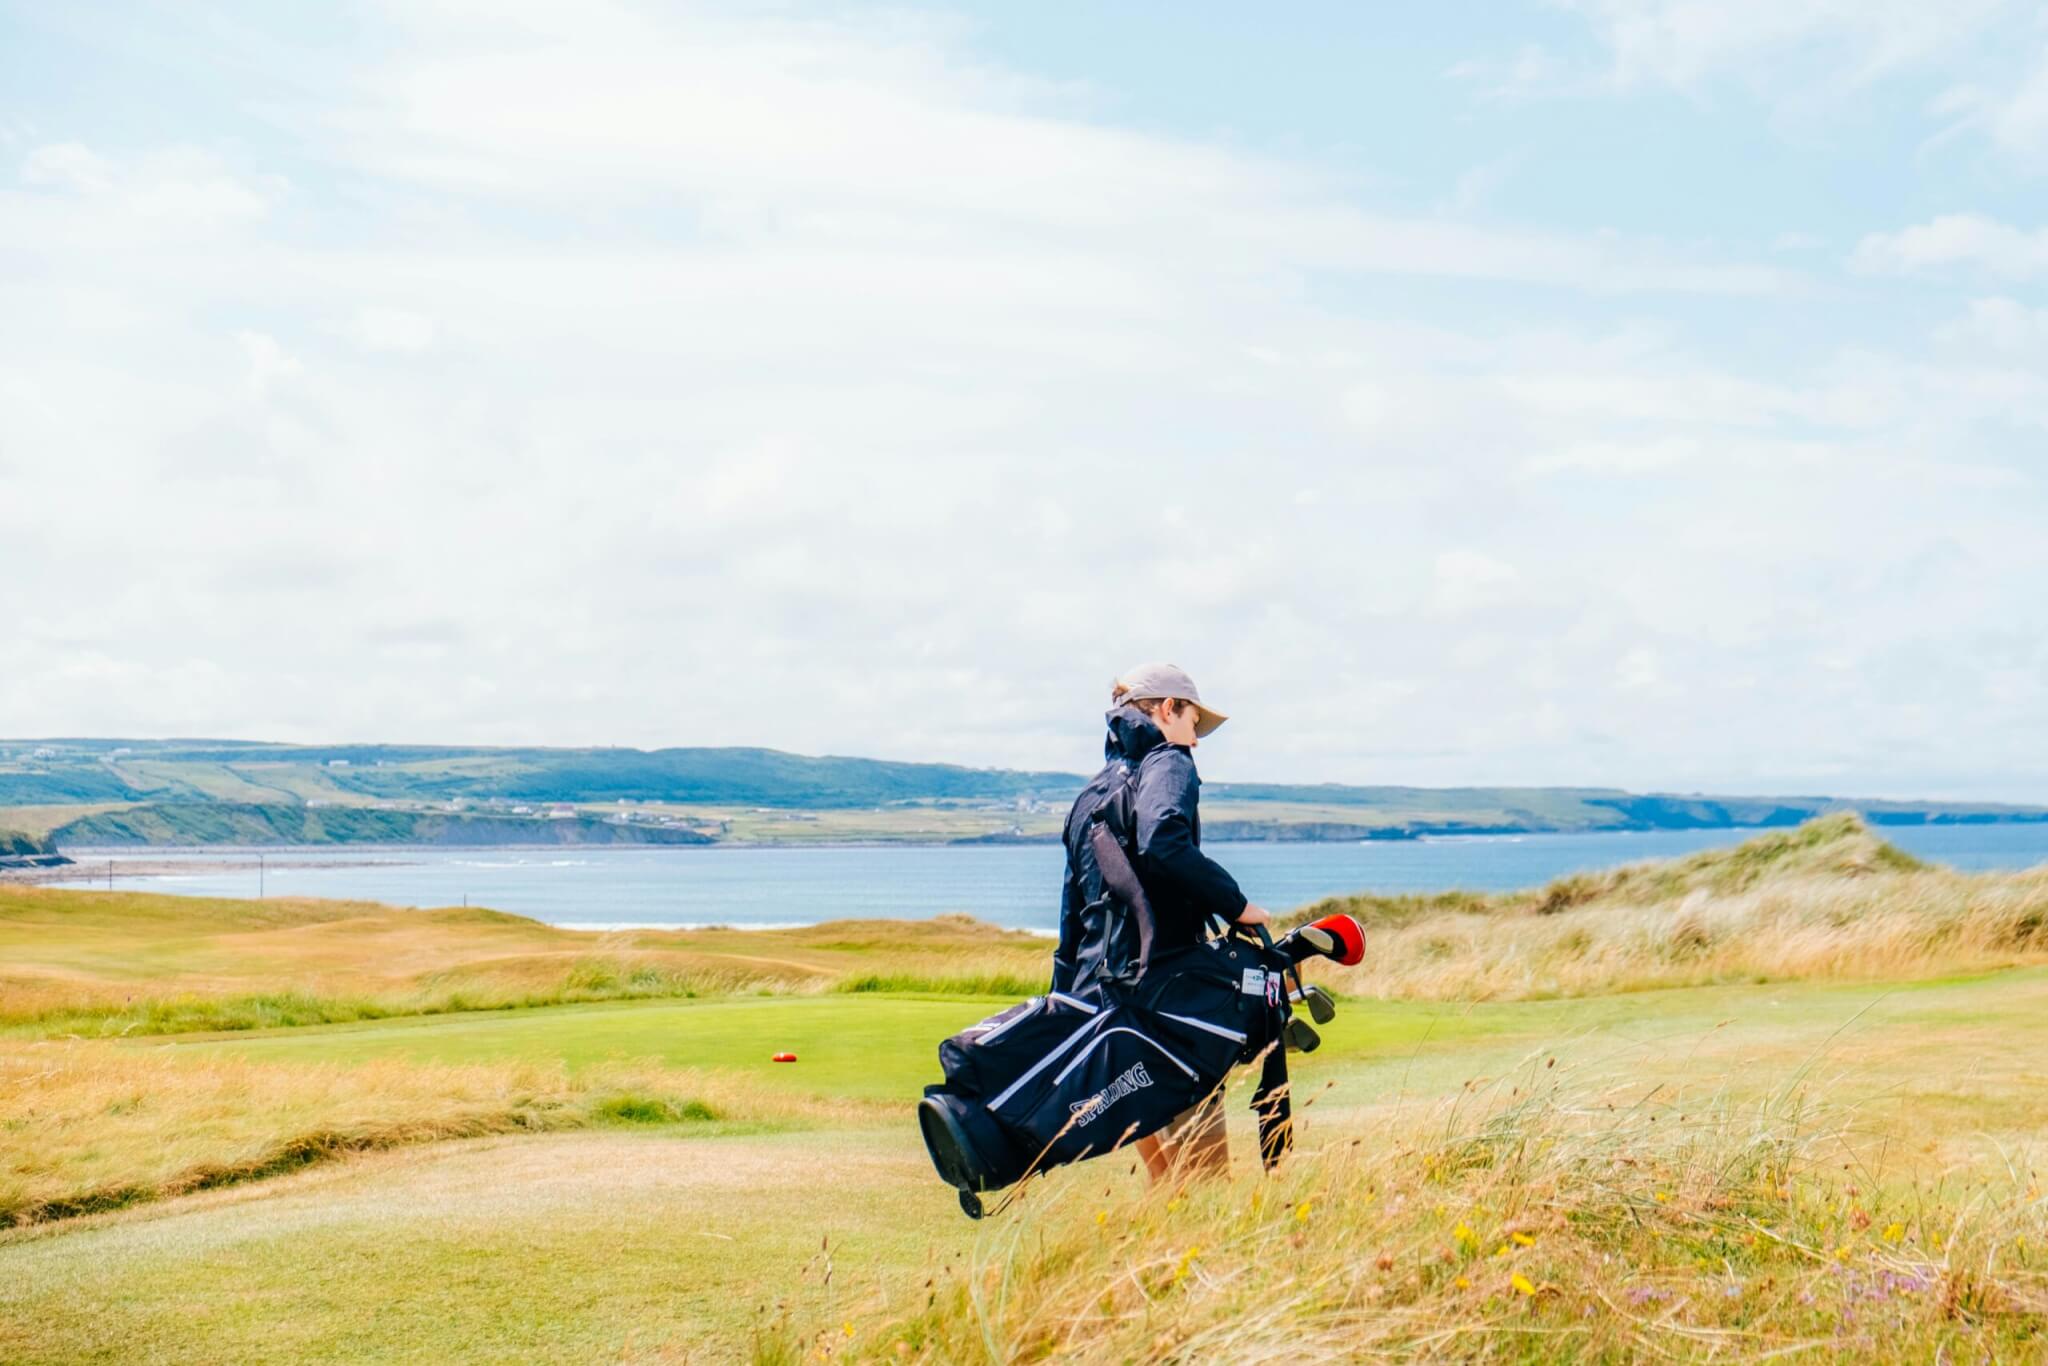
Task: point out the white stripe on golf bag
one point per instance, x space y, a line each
1080 1057
996 1030
984 1033
1043 1063
1202 1024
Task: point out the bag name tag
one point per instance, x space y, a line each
1254 982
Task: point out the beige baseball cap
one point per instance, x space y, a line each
1149 681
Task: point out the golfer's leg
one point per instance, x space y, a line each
1194 1144
1204 1141
1158 1160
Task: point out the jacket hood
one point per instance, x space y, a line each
1131 735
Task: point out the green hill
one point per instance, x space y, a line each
16 844
232 823
111 791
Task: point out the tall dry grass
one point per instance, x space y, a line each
88 1126
1540 1221
1827 900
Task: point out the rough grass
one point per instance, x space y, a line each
961 981
90 1126
1827 900
122 963
1532 1223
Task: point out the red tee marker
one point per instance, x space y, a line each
783 1057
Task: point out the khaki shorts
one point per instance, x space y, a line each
1191 1123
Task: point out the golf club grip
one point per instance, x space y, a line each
1291 970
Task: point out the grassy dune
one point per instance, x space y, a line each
1828 900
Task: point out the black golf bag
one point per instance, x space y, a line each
1076 1073
1066 1076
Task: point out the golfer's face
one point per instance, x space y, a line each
1178 725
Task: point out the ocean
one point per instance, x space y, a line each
1016 886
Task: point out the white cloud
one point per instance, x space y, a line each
393 329
1617 457
170 186
814 133
266 361
1467 580
762 351
1638 670
1685 42
2000 324
1532 71
2020 120
2012 114
1802 57
1956 239
70 165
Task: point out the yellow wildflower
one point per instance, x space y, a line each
1524 1239
1301 1212
1521 1283
1894 1232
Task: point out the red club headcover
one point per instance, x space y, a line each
1350 937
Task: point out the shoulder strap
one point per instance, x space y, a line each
1119 808
1111 834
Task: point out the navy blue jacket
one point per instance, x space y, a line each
1184 886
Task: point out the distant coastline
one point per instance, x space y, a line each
57 796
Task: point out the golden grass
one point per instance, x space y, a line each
109 963
1827 900
88 1126
1536 1222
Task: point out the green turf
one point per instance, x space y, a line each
866 1046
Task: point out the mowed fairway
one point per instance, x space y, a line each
866 1046
572 1248
660 1242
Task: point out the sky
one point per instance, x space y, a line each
1646 393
